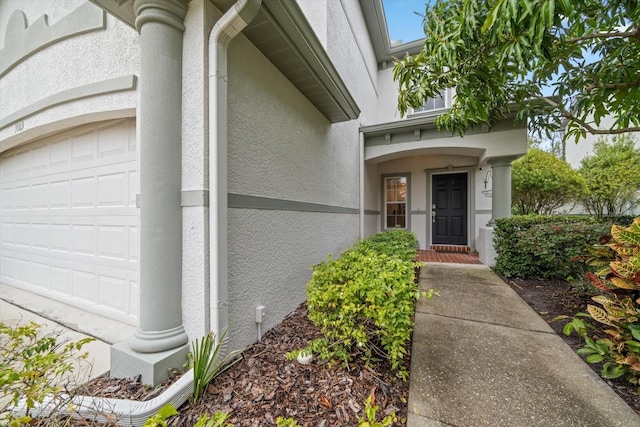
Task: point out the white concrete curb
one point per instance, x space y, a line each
105 410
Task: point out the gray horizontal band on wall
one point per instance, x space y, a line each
243 201
118 84
370 212
483 211
418 212
194 198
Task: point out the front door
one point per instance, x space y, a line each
449 204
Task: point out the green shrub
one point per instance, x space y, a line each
612 175
33 367
542 183
363 302
395 243
543 246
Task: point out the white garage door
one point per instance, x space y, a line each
69 218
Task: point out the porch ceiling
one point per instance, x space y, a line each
282 33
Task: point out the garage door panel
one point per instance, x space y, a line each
113 292
39 196
112 141
69 219
40 274
113 241
67 259
40 236
84 286
113 190
83 148
61 280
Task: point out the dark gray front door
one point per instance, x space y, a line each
450 207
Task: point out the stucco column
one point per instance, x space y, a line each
160 23
500 188
160 342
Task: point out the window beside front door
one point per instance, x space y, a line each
396 199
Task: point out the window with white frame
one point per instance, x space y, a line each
396 202
433 104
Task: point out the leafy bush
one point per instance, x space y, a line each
363 302
542 183
544 246
619 276
33 367
612 176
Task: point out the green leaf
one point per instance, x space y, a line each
595 358
493 15
633 346
611 371
167 411
635 330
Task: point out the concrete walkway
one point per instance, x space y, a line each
18 307
482 357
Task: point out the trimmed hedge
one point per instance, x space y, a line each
536 246
363 302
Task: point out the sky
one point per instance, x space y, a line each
402 22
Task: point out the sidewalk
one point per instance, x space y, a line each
482 357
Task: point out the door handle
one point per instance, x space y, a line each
433 216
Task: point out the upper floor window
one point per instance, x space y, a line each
433 104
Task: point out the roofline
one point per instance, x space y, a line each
376 22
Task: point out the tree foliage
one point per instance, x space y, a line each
502 56
612 176
542 183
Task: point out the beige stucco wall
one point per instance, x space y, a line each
282 148
387 105
82 59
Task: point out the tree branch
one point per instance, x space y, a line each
614 86
585 125
626 34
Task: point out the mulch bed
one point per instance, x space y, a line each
264 385
551 299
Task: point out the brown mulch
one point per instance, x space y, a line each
264 385
553 299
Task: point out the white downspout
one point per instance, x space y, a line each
227 27
361 189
